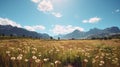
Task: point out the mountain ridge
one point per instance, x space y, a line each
95 32
76 34
9 30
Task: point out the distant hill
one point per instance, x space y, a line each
9 30
92 33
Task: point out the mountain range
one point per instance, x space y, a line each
92 33
9 30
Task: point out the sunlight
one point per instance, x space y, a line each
59 33
59 2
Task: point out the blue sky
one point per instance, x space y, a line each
60 16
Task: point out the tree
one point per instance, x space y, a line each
51 38
30 36
11 35
3 34
73 39
58 38
105 38
93 38
23 35
36 37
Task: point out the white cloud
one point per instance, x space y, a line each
34 28
45 6
35 1
57 14
39 27
5 21
92 20
85 21
29 28
64 29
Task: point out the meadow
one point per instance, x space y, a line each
59 53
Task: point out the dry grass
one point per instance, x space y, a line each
62 53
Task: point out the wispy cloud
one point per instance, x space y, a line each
34 28
6 21
116 11
35 1
64 29
92 20
57 14
46 6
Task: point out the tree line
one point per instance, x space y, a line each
3 36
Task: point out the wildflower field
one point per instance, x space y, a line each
59 53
